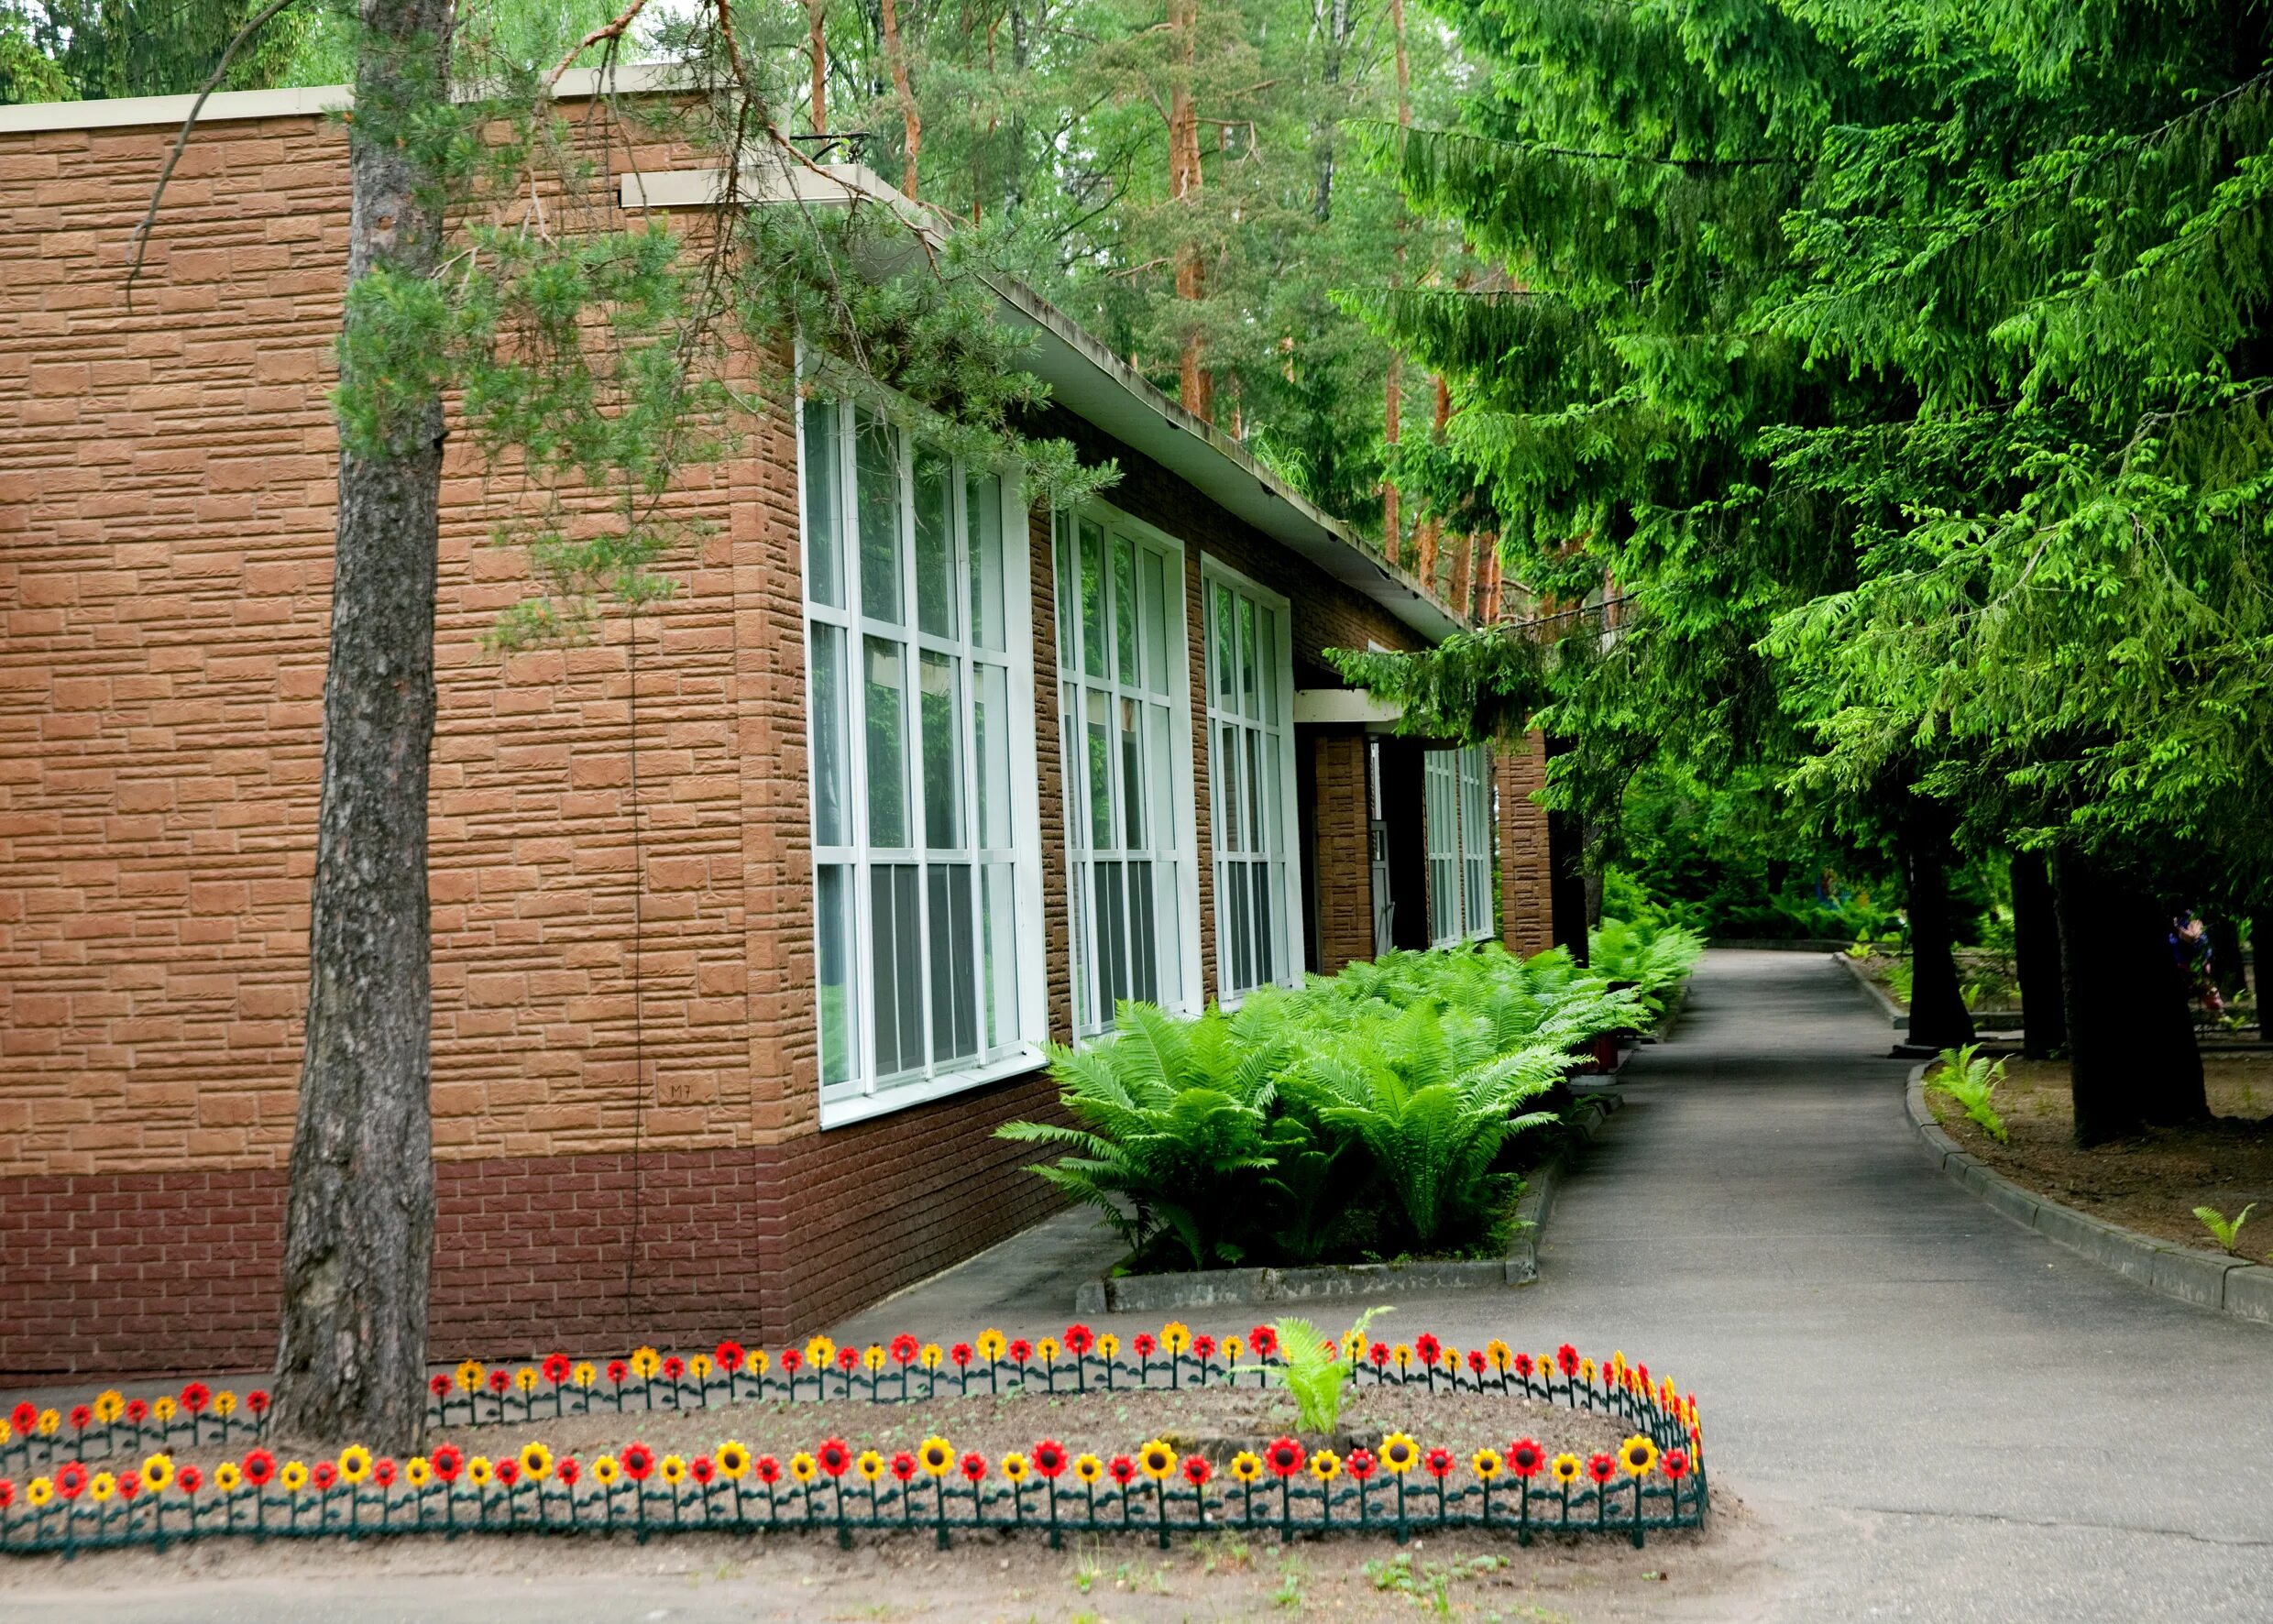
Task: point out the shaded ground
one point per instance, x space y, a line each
2151 1183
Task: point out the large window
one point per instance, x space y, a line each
1123 681
918 664
1457 785
1250 702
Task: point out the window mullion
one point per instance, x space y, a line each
860 972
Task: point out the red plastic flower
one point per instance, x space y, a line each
729 1355
129 1484
1642 1375
903 1465
1264 1341
1476 1360
1602 1467
138 1411
905 1348
446 1461
1143 1344
556 1368
1203 1346
703 1469
7 1493
637 1461
189 1478
1021 1351
1566 1356
1359 1462
1438 1461
1523 1365
1284 1457
848 1358
257 1402
440 1385
1048 1457
325 1475
1674 1464
383 1471
25 1417
792 1361
500 1381
1079 1340
959 1353
82 1418
72 1479
1525 1458
1123 1470
195 1396
1378 1353
974 1466
767 1468
567 1470
509 1472
674 1368
616 1371
834 1456
260 1466
1196 1470
1427 1347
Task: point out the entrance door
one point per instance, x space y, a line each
1378 847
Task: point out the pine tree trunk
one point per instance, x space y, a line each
2131 1051
2035 941
1195 385
1939 1018
911 120
360 1211
816 15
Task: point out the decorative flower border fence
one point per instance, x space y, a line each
1656 1481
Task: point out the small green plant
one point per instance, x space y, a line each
1316 1378
1972 1080
2229 1235
1289 1592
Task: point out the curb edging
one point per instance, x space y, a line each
2206 1280
1216 1287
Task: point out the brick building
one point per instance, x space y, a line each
750 919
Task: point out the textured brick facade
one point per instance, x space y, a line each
625 1084
1526 892
1341 852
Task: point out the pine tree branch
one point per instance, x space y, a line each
612 30
140 241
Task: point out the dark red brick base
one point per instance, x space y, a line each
124 1273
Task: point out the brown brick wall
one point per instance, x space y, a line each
1344 881
1526 913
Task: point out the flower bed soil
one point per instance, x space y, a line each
2151 1183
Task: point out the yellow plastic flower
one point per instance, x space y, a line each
869 1464
225 1403
820 1352
1500 1354
1401 1355
1618 1363
701 1366
1399 1454
536 1461
1449 1357
418 1471
674 1470
937 1455
1565 1468
1157 1460
1484 1463
930 1356
354 1464
7 1432
1233 1347
40 1491
294 1476
584 1373
1247 1466
109 1405
990 1343
645 1362
1088 1468
162 1409
1047 1350
1175 1338
732 1459
757 1361
1014 1467
1354 1345
1586 1371
1324 1466
1108 1346
873 1358
227 1478
802 1467
50 1420
1638 1454
478 1471
157 1473
469 1374
605 1471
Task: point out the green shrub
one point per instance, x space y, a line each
1317 1373
1654 957
1971 1079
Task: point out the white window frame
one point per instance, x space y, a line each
1458 823
864 1095
1289 943
1074 680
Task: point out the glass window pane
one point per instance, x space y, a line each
887 744
954 970
935 544
833 937
1166 831
1092 599
1226 631
1132 777
824 526
1250 700
878 473
895 962
1230 835
1264 874
1066 586
942 752
1167 902
1112 939
1231 887
1097 731
830 778
1258 832
1084 950
1144 946
998 955
991 730
982 545
1124 609
1266 662
1155 606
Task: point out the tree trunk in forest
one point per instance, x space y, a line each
911 120
1195 385
359 1216
816 15
2131 1051
1393 538
2036 944
1939 1018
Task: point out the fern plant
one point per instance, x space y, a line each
1972 1080
1319 1373
1654 959
2227 1231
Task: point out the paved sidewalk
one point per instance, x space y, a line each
1936 1413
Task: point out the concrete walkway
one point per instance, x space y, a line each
1934 1413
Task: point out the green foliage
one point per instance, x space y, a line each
2228 1233
1361 1116
1654 958
1319 1373
56 51
1971 1079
